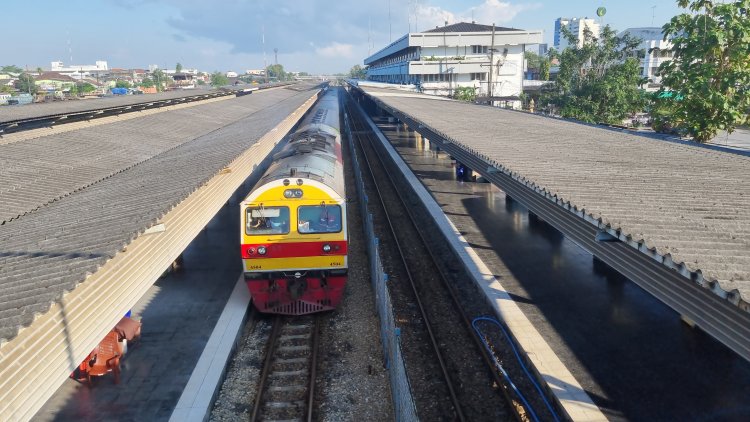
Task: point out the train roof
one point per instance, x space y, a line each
314 150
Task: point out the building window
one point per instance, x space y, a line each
479 49
478 76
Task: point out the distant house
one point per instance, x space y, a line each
183 80
54 81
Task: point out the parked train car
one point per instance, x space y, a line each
294 235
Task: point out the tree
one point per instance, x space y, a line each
5 89
276 71
465 93
598 81
73 91
219 79
85 88
358 72
147 82
39 70
11 69
178 67
710 70
25 83
537 64
159 78
122 84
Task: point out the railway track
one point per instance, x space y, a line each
469 378
287 381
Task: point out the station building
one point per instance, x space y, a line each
487 58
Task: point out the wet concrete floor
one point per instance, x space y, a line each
633 355
178 314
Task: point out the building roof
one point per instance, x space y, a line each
55 76
81 196
469 27
687 204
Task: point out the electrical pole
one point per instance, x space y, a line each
276 56
492 60
265 63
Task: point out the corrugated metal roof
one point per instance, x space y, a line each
469 27
51 250
38 171
29 111
687 203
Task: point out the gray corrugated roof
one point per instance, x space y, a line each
683 201
49 251
29 111
469 27
31 176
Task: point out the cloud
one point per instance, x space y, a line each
486 13
339 33
336 49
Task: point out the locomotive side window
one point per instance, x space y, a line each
319 219
267 220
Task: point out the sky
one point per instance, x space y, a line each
314 36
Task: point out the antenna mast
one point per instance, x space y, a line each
265 63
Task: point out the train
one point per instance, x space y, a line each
293 222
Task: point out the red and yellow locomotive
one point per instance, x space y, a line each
294 235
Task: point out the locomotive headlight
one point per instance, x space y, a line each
262 250
326 248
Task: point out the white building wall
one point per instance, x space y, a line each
653 51
576 26
441 62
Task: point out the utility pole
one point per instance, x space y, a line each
492 61
265 63
276 56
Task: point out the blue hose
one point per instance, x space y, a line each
520 360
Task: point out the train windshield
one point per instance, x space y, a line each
319 219
267 220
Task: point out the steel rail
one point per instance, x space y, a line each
489 361
270 360
267 363
454 399
313 369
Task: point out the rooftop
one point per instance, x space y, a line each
469 27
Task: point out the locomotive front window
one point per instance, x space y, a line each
319 219
267 220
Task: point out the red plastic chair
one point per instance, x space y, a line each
105 359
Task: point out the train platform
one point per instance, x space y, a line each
670 216
178 313
582 323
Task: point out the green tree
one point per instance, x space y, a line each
11 69
538 64
122 84
710 70
147 82
276 71
358 72
5 89
159 78
598 81
219 79
25 83
73 91
465 93
178 67
85 88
